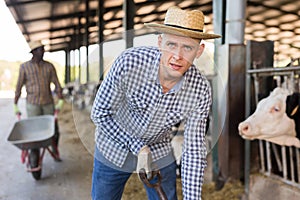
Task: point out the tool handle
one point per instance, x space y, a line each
160 192
157 186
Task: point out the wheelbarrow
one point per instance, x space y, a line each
32 135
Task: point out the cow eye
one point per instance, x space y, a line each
276 109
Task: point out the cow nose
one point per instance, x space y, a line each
244 128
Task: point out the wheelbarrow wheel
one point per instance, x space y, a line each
34 157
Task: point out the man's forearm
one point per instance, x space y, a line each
16 99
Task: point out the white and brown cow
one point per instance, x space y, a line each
269 121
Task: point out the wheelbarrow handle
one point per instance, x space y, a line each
156 186
18 115
56 113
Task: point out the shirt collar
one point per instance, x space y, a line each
177 86
36 62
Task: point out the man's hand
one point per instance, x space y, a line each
16 109
144 161
59 104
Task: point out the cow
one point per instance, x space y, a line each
293 111
270 122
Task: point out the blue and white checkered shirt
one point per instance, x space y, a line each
131 111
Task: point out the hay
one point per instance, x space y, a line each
134 189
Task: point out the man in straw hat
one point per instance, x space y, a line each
37 75
147 91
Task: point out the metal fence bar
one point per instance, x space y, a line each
261 146
292 164
262 157
278 161
283 154
269 161
298 164
271 71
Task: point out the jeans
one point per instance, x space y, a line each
108 182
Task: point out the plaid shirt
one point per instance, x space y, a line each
131 111
37 79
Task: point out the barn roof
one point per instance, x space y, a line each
60 24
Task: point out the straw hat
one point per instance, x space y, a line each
183 23
34 44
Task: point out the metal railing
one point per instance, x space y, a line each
281 162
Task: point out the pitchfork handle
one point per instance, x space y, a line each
156 186
160 192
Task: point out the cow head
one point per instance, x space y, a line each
269 121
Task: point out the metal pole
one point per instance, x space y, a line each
67 69
218 21
78 38
235 21
128 22
87 10
100 37
247 113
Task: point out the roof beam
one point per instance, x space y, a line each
20 3
58 17
251 3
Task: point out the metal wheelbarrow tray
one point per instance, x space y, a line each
33 132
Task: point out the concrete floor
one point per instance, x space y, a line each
69 179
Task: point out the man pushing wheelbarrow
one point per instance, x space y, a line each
37 75
147 91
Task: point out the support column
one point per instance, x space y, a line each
235 21
87 13
67 64
101 37
78 40
232 56
128 22
219 28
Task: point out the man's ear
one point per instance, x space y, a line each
200 50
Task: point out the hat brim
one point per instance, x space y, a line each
181 32
35 47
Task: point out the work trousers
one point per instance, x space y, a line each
108 181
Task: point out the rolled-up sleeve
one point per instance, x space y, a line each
20 83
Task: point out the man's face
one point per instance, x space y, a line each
39 52
178 53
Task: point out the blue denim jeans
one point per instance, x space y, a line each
108 181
